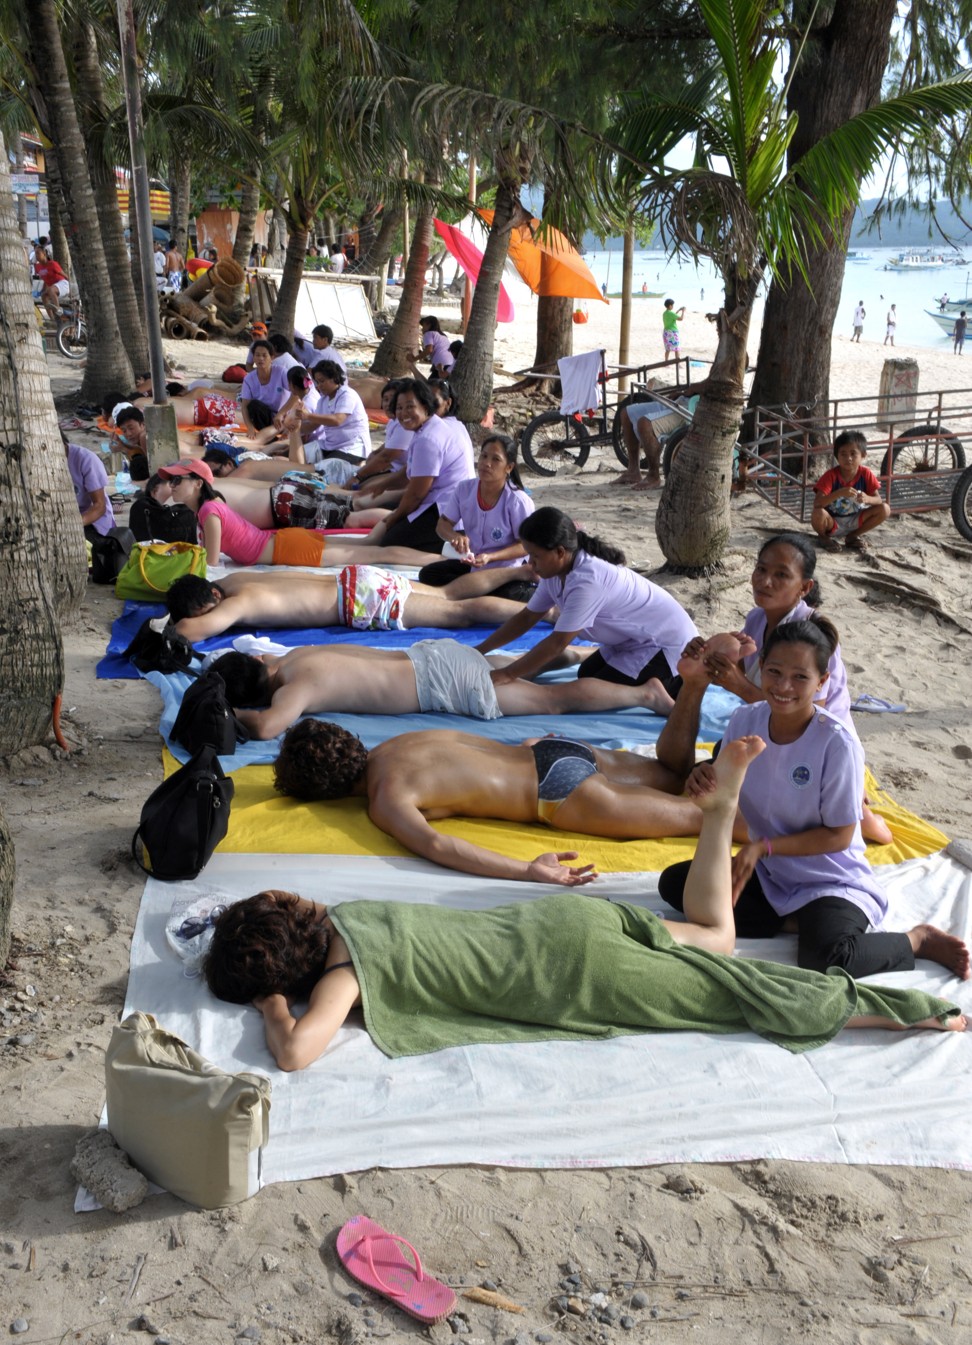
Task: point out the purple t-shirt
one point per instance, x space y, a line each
817 781
398 439
488 529
353 436
436 346
274 392
443 450
627 615
311 357
834 697
88 475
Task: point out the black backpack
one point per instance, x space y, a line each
109 553
154 522
184 820
160 648
206 718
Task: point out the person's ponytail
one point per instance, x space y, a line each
602 550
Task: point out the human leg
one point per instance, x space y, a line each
832 933
419 534
632 473
868 519
650 446
707 896
675 748
754 916
582 696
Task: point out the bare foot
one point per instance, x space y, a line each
626 479
956 1022
648 483
874 828
655 697
937 946
730 768
693 669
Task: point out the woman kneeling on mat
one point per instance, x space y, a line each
222 529
565 966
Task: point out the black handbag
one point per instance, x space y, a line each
206 717
109 554
184 820
158 647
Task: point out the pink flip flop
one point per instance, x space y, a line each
374 1257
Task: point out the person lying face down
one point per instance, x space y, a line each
361 597
432 677
415 777
431 977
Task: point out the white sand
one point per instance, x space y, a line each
756 1252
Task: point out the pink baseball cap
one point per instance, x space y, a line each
195 468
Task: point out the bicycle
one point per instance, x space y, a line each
69 332
553 440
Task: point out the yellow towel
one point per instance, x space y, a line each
264 822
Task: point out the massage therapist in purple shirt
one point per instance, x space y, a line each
641 629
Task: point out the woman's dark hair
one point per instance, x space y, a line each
247 679
262 342
218 457
549 528
152 483
111 401
420 390
429 324
280 344
206 491
508 446
298 378
331 370
444 388
807 553
455 348
138 468
188 596
819 633
266 945
393 385
319 760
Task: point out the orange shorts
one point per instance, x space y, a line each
297 546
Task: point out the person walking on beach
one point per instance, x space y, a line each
958 333
892 322
670 321
859 316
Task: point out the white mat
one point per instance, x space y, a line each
867 1097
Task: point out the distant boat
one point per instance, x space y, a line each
917 261
859 256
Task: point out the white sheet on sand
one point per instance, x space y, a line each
866 1097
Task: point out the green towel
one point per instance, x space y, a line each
573 966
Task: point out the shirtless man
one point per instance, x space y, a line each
361 597
174 264
416 778
431 677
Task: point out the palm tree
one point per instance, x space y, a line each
741 207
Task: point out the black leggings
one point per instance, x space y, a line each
261 414
596 665
831 931
438 573
420 533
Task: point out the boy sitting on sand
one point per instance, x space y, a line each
848 498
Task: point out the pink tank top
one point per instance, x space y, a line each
241 540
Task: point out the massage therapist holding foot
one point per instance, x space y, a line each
565 966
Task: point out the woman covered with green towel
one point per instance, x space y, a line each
565 966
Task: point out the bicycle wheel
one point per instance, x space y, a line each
553 441
962 504
672 444
617 437
924 448
72 339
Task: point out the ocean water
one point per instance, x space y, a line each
698 287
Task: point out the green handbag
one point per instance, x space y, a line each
153 567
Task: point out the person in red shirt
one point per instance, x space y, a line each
847 499
56 284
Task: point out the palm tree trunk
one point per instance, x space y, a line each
293 271
180 189
246 225
92 108
42 565
838 76
7 874
108 365
17 150
472 376
55 214
555 325
692 523
397 352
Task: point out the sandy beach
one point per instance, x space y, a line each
758 1252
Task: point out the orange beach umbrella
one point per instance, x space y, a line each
549 264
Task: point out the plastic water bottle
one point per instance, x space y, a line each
105 448
123 483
